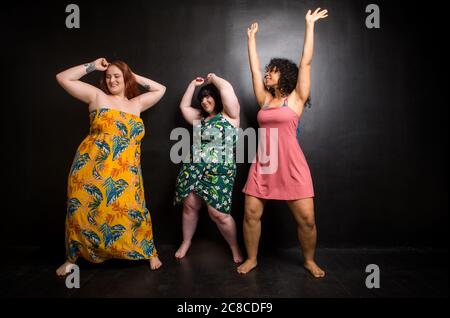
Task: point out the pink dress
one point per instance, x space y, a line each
291 180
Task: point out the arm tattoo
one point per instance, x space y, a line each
90 67
146 86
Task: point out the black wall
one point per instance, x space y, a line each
374 138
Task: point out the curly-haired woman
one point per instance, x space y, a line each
282 99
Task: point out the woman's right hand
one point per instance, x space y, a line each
101 64
252 30
198 81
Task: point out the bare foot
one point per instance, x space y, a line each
63 270
247 266
237 256
315 270
155 263
182 250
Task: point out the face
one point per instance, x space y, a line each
114 80
208 104
272 77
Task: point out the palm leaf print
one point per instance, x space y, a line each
91 220
136 196
79 162
94 204
136 153
114 189
94 191
135 215
123 129
93 255
103 146
146 215
73 248
104 150
92 237
119 145
148 247
136 128
102 111
134 170
111 234
72 205
134 241
96 174
135 255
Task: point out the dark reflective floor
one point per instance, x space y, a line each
208 271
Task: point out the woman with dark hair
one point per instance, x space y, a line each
282 99
209 175
106 210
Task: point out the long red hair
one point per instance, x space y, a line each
131 86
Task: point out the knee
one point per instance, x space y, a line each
219 218
307 223
190 209
252 215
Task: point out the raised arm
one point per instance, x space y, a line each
255 66
70 80
190 113
229 99
155 92
303 88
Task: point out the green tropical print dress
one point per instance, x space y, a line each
211 169
106 212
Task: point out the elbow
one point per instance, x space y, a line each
59 78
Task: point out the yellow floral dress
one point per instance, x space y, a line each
106 211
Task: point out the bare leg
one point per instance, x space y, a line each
227 227
63 270
303 211
254 208
191 206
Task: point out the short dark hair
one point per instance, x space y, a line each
210 90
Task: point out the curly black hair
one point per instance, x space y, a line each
210 90
288 76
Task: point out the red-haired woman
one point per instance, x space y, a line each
106 210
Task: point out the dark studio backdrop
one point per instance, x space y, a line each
374 138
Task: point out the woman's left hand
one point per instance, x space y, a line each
311 18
